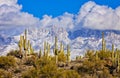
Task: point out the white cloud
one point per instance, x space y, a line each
11 15
66 21
96 16
90 15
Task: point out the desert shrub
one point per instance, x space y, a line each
30 61
31 73
104 74
15 53
7 62
49 71
61 73
45 61
61 57
17 70
89 54
104 55
5 74
71 74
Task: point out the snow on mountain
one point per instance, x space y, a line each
79 40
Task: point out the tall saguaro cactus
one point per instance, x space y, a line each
31 49
20 44
25 42
55 50
45 49
118 63
113 53
103 42
48 49
61 47
68 54
40 54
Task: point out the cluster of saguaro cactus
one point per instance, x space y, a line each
115 55
61 51
24 45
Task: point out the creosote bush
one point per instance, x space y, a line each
15 53
30 61
5 74
7 62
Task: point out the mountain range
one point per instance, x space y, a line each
80 40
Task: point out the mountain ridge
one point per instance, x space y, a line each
80 40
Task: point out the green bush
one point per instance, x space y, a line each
7 62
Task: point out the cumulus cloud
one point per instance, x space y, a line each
90 15
96 16
11 15
66 21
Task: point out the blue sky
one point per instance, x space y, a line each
13 15
57 7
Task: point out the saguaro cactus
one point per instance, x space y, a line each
55 50
20 44
48 49
31 49
61 47
61 55
113 53
25 45
68 54
45 49
103 43
118 63
25 42
40 54
96 55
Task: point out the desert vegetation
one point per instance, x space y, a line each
26 63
